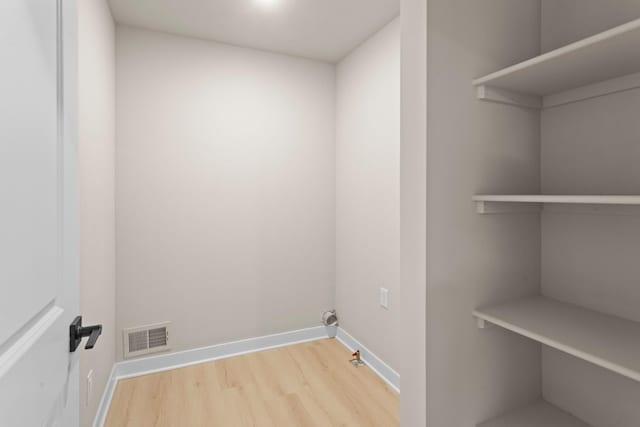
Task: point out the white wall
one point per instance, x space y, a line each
590 147
472 260
368 192
96 71
413 206
225 189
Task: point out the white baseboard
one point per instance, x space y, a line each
181 359
105 401
384 371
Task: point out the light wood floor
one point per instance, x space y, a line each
311 384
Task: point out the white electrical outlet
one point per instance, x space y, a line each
384 298
89 386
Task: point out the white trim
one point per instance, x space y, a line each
384 371
181 359
105 401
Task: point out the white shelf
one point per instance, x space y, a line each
538 414
604 56
536 198
484 201
610 342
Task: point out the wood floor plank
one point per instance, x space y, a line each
365 381
311 384
323 390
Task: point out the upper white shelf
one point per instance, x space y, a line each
604 56
610 342
537 414
494 203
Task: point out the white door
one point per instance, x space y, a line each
38 213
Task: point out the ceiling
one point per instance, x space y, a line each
320 29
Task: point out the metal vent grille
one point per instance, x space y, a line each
146 339
138 341
157 337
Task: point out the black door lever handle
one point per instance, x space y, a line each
93 336
77 332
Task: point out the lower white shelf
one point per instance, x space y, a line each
610 342
538 414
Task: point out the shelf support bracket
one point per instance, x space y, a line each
503 96
483 324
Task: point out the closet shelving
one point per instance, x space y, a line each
602 64
610 57
537 414
607 341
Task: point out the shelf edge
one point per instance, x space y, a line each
603 363
559 199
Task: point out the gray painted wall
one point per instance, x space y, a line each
591 147
567 21
96 109
368 192
225 189
472 259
